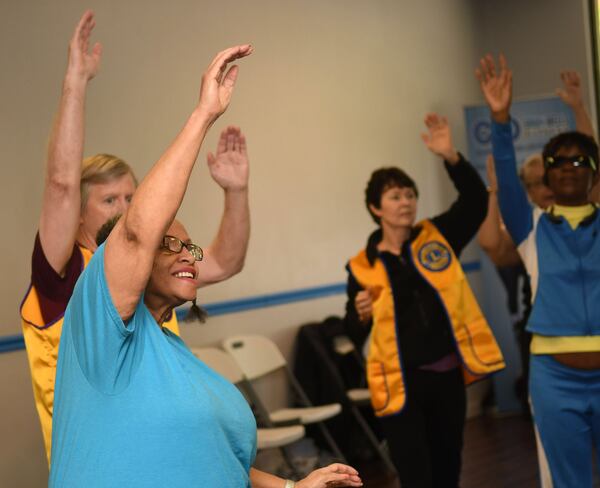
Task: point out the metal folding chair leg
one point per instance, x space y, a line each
324 430
373 440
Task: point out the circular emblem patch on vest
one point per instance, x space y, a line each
435 256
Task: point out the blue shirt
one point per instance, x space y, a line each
563 264
135 408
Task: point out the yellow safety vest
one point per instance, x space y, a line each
41 342
438 265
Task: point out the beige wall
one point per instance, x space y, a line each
540 39
335 89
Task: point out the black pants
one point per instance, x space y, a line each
426 438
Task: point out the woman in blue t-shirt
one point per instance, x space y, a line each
134 407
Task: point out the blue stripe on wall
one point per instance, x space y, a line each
12 343
263 301
16 342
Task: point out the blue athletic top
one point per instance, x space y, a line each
135 408
563 263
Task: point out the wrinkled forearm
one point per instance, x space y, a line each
60 213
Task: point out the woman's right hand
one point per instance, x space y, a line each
218 81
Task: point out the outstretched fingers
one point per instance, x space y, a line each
503 63
434 121
84 31
218 81
341 468
570 78
230 139
219 64
430 120
338 474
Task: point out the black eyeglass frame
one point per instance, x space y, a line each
577 161
195 250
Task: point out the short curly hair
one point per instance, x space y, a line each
382 180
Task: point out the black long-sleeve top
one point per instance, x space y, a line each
423 326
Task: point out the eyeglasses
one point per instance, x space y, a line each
175 245
576 161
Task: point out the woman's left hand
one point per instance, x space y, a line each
331 476
218 81
439 138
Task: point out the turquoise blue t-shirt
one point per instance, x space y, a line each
133 407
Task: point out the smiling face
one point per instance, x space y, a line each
570 184
397 208
174 278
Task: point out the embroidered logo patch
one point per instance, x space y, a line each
435 256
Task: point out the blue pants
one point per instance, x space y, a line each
566 411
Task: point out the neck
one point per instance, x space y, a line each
86 240
572 202
159 308
393 238
161 315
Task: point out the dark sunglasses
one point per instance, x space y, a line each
576 161
175 245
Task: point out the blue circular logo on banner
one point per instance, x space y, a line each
483 132
435 256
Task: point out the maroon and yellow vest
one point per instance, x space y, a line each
41 342
435 261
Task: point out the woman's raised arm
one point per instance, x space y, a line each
131 247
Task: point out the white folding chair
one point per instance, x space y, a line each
258 356
224 364
343 346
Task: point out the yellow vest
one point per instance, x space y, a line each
437 264
41 342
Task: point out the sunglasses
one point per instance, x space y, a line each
175 245
576 161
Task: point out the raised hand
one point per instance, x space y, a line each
218 81
84 63
229 168
571 91
331 476
496 87
439 138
